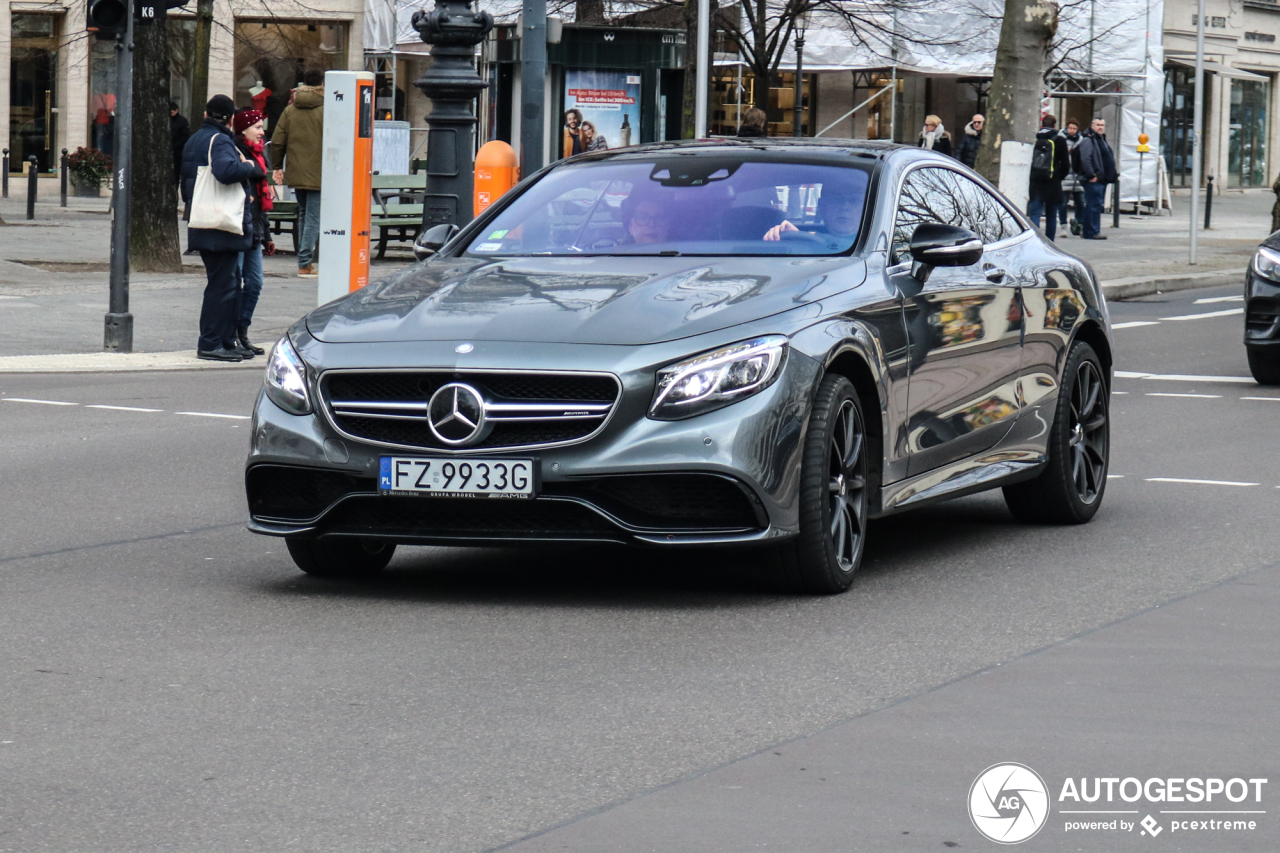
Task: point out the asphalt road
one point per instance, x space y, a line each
169 682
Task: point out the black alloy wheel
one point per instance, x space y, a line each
1264 366
833 496
1069 490
345 559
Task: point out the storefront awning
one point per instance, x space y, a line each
1221 70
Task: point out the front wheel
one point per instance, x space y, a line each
346 559
1264 366
833 495
1069 490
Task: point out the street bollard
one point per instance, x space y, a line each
65 169
33 175
1208 203
1115 204
5 172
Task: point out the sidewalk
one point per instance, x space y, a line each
54 284
54 277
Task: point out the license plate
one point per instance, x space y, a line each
457 478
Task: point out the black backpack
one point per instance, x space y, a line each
1042 160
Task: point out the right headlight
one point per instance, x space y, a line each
286 379
1266 263
715 379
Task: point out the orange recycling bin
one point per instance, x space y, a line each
497 170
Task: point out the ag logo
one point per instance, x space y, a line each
1008 803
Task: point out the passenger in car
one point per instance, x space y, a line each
840 208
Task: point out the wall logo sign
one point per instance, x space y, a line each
608 36
1008 803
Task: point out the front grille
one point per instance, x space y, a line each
524 408
298 494
668 501
445 518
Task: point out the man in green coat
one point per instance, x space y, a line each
297 149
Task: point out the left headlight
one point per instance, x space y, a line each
286 379
715 379
1266 263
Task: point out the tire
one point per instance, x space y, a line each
1070 488
1265 367
347 559
823 559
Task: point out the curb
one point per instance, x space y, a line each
112 362
1135 286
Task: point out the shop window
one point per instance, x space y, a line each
33 95
1176 124
1247 140
272 55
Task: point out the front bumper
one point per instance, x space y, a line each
1262 312
726 477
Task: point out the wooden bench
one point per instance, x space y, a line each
282 215
397 210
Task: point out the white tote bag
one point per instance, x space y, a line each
215 205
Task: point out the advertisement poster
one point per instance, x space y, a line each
601 110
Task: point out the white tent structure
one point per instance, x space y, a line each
1104 49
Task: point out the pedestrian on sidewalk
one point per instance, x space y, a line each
1071 190
297 146
1049 165
934 136
213 145
753 124
179 132
1097 169
249 129
967 148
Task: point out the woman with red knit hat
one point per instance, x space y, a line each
249 130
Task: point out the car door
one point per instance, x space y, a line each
964 326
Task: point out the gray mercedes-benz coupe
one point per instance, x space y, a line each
758 343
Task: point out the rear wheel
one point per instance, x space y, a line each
1264 366
348 559
1069 490
833 496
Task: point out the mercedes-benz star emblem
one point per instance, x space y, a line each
456 414
464 348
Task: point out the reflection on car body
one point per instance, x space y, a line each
747 343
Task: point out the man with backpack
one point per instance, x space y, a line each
1050 163
1097 167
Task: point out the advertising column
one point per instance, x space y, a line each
346 175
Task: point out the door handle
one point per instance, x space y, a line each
995 275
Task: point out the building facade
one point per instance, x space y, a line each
61 90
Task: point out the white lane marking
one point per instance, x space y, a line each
123 408
1134 324
1179 377
214 415
1115 476
1201 396
1227 313
1272 399
1197 482
45 402
1113 393
1210 299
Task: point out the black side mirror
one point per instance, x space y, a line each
433 239
935 245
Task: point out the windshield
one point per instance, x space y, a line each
683 205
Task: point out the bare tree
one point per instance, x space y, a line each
153 223
1022 56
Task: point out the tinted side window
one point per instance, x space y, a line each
928 195
983 214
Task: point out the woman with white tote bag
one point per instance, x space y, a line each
216 180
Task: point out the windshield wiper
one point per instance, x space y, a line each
669 253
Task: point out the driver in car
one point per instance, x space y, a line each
647 221
840 208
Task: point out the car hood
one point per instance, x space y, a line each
612 300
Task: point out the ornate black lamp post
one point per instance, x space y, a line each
453 30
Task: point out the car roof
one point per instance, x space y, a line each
782 147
